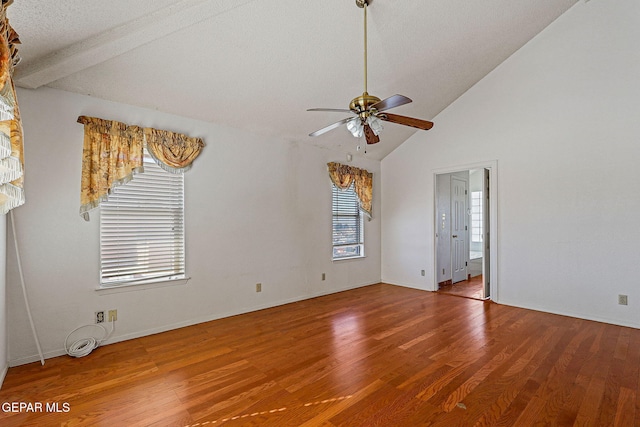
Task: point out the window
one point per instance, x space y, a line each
142 229
348 224
476 216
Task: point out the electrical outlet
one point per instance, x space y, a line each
324 276
258 287
422 272
113 315
99 317
622 300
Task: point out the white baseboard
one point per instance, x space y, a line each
583 316
406 285
575 315
190 322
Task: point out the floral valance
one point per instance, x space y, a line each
343 176
173 152
11 144
113 152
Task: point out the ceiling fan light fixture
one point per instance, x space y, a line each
356 127
375 124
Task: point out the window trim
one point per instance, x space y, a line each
141 286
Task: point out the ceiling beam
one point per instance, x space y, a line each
119 40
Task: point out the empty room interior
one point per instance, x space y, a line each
338 213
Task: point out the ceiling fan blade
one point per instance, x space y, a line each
337 110
371 137
391 102
407 121
332 126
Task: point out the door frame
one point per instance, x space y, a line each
492 166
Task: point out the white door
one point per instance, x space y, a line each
486 260
459 230
443 229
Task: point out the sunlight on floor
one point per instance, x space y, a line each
271 411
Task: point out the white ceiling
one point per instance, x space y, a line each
260 64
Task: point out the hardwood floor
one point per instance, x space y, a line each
472 288
375 356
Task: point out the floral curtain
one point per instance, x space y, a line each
343 176
113 153
11 143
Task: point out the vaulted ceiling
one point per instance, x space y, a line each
260 64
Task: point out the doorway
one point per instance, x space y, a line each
465 220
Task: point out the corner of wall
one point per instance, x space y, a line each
3 374
4 354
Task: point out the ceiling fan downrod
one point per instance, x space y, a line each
361 103
363 4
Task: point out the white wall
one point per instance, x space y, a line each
257 210
560 117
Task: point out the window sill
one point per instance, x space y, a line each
350 258
131 287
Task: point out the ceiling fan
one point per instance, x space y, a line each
369 110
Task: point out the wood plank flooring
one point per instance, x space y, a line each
376 356
472 288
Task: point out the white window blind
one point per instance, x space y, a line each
348 224
476 216
142 229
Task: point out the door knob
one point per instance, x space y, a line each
455 236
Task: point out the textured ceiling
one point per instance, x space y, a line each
259 65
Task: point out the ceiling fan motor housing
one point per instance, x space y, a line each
361 104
